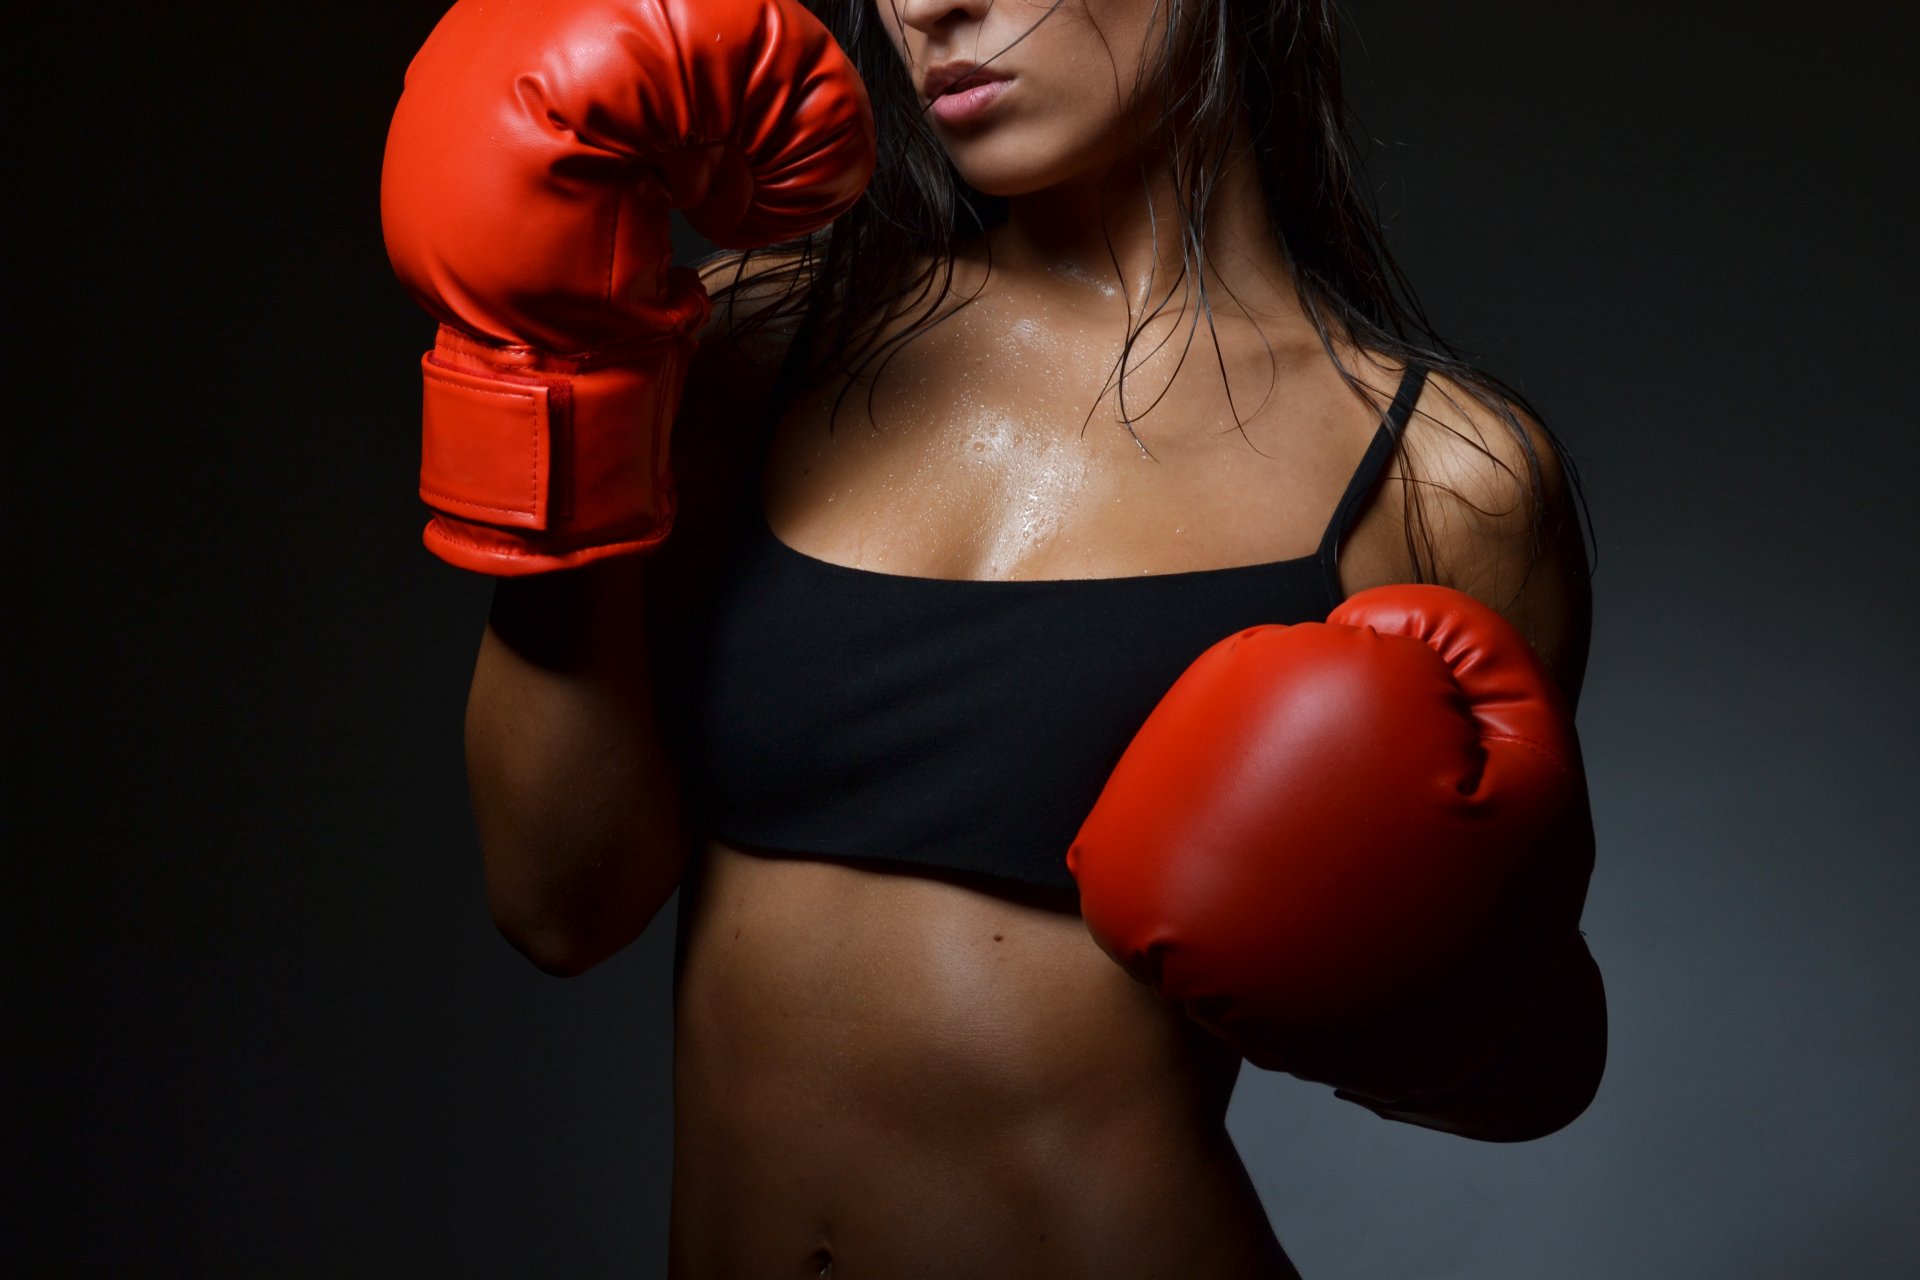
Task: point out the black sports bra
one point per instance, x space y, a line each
966 725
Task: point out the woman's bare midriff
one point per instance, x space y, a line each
880 1074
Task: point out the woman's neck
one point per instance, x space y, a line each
1110 243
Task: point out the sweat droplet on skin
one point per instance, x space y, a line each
1001 452
1068 271
1030 481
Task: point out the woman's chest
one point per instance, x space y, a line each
999 445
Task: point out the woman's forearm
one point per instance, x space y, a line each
575 794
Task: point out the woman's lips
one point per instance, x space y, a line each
964 103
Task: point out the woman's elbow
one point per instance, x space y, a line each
559 952
566 932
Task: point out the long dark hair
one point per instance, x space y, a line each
1281 59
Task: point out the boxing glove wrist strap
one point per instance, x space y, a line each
534 462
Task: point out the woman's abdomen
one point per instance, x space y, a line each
880 1074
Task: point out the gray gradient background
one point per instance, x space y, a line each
258 1021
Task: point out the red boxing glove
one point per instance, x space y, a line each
1352 849
532 162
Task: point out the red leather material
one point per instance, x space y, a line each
515 438
537 148
531 164
486 447
1324 831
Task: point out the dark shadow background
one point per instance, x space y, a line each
258 1021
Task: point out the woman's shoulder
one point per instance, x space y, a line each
724 397
757 297
1497 508
1495 459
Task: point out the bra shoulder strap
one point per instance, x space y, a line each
1372 466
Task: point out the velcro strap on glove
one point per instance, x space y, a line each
486 448
558 451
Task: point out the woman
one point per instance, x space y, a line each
869 686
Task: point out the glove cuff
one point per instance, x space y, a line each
534 462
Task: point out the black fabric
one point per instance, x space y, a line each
958 724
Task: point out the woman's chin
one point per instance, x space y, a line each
1000 165
1011 179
